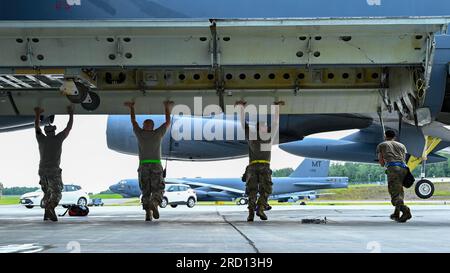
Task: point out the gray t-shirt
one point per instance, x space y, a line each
50 148
255 151
149 142
392 151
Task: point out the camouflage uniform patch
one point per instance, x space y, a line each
259 180
52 186
151 182
395 177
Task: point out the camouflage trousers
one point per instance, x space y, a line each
259 181
52 186
395 176
151 182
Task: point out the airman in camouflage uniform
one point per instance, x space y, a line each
392 154
258 173
50 148
151 180
259 180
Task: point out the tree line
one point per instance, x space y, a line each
360 172
16 190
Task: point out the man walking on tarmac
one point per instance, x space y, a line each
258 174
392 154
50 148
151 180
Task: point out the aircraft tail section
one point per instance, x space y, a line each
312 168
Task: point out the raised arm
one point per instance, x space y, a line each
276 120
37 119
70 122
241 105
130 104
168 105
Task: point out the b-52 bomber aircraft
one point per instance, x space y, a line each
354 64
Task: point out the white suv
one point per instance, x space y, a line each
178 194
71 195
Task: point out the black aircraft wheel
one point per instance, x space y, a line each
81 95
174 206
29 206
424 189
91 102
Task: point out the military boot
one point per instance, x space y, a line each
261 214
154 208
51 215
148 215
251 215
46 215
406 214
396 215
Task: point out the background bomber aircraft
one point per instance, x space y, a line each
354 64
310 175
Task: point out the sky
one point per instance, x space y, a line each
87 161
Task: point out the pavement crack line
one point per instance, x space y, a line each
249 241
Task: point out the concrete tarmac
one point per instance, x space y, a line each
360 229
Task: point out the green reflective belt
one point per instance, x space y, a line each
150 161
260 161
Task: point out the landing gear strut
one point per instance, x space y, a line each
424 188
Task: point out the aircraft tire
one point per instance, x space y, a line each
82 93
92 102
424 189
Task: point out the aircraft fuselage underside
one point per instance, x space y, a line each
347 65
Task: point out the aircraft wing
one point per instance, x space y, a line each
211 186
300 194
437 129
318 184
336 63
317 194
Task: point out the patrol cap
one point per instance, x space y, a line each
49 128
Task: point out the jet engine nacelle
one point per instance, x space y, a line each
121 138
312 197
340 150
15 123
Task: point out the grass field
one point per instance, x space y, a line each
376 192
106 196
9 200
